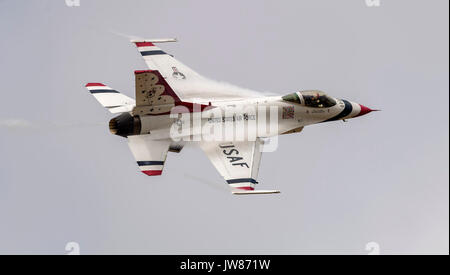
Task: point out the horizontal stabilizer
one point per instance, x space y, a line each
149 154
111 99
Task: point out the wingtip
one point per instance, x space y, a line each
91 84
143 44
152 172
154 40
256 192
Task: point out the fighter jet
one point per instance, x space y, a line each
174 105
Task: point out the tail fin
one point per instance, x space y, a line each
111 99
154 96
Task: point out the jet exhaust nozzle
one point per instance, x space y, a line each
125 125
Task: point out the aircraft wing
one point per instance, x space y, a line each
185 81
238 163
149 154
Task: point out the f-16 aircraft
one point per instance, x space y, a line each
170 96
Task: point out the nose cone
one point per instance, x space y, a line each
364 110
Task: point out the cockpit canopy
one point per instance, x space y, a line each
311 98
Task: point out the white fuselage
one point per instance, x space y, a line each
273 113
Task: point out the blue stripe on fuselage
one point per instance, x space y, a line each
347 110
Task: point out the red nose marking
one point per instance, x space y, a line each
364 110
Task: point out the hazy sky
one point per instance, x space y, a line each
382 177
